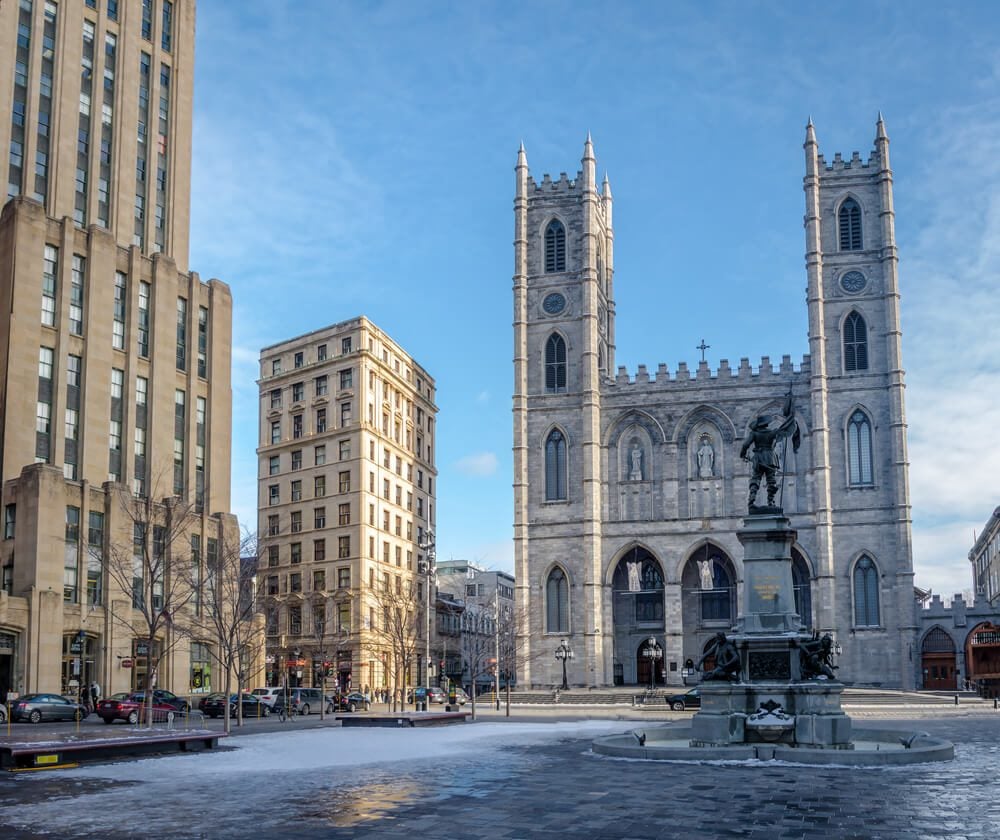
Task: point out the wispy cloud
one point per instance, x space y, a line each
477 464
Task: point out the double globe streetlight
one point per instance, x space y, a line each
563 653
653 653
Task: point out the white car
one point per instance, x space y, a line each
267 695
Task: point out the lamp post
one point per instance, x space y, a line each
429 547
562 654
652 652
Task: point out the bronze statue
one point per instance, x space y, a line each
727 659
764 460
816 657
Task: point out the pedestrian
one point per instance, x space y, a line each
95 693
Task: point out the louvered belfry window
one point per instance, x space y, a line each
850 226
555 247
855 343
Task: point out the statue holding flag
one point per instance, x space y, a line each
764 460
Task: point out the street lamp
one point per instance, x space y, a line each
429 547
562 654
652 652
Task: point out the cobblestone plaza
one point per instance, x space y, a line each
551 788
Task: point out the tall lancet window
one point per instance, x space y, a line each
555 364
555 247
855 343
555 466
859 449
850 226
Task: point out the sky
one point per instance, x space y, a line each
357 158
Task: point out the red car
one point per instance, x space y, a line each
134 709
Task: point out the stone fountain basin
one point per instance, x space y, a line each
871 748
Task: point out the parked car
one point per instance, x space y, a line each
35 708
461 697
3 714
300 701
167 698
133 708
268 695
215 706
348 702
688 700
436 694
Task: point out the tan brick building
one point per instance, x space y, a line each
345 500
115 363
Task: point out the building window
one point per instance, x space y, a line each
866 611
274 496
859 449
344 481
298 392
319 579
273 529
299 359
181 334
345 413
147 19
295 553
320 420
319 455
180 432
319 486
345 345
273 558
118 326
319 517
166 34
850 226
76 295
95 557
717 602
555 247
296 522
855 343
297 459
274 465
319 551
321 353
555 364
143 324
296 426
321 386
275 367
275 431
295 613
557 602
344 449
9 521
344 577
344 514
555 466
71 564
50 272
343 547
276 398
296 491
346 379
202 342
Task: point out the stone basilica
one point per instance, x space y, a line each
629 489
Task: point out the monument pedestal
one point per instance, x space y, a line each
771 702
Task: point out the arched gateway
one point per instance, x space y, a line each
637 606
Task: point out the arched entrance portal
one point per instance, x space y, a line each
637 608
708 585
937 660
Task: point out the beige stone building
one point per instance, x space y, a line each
345 500
115 359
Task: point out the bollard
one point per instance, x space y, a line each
956 699
995 702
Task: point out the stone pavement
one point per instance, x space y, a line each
561 790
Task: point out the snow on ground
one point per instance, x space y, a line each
319 775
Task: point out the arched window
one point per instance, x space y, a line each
600 267
557 602
555 247
555 364
850 226
866 593
601 361
801 588
859 449
855 343
717 602
555 466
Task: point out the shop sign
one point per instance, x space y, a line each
126 663
141 648
295 663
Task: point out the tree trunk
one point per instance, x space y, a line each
227 723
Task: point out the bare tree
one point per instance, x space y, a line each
397 631
513 647
224 610
154 568
478 643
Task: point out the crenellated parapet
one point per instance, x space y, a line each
766 372
852 165
564 185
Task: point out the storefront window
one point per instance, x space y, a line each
143 663
78 663
201 668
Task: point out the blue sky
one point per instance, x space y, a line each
357 158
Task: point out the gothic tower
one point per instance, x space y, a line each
563 348
860 464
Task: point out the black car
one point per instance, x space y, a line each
35 708
165 698
688 700
348 702
214 706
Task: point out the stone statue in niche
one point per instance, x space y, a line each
706 458
635 462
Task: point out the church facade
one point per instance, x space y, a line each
629 489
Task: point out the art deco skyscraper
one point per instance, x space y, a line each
114 358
